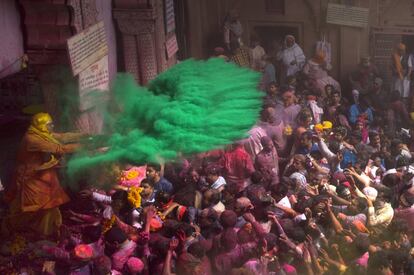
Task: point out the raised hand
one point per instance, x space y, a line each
335 247
181 235
271 216
308 213
173 244
339 156
249 217
306 255
369 202
324 254
49 267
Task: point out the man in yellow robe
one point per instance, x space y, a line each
35 195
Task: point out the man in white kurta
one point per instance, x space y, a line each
257 53
292 57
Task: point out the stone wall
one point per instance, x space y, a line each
349 44
11 42
142 33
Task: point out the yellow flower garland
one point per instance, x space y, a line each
107 224
130 175
134 196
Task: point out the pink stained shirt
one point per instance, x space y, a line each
275 132
238 167
268 161
252 144
407 215
290 113
120 257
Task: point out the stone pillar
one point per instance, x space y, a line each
138 31
47 26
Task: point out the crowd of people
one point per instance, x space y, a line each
323 184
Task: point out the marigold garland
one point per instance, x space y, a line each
107 224
134 196
129 175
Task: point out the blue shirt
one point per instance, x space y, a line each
269 73
355 111
305 151
349 157
164 185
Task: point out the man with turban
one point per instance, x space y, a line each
317 69
35 195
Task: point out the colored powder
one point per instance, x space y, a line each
195 106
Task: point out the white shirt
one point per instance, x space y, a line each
253 145
218 183
285 203
257 55
288 55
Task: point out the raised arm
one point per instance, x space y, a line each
37 144
167 262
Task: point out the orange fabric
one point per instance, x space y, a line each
83 252
318 128
36 193
319 58
397 65
42 191
42 223
38 188
360 226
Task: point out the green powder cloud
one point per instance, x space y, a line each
194 107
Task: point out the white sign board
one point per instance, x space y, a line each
87 47
347 15
93 84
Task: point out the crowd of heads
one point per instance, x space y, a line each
322 185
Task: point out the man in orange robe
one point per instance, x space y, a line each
35 195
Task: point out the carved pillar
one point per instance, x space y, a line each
138 31
89 13
131 55
77 21
160 37
147 56
46 26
